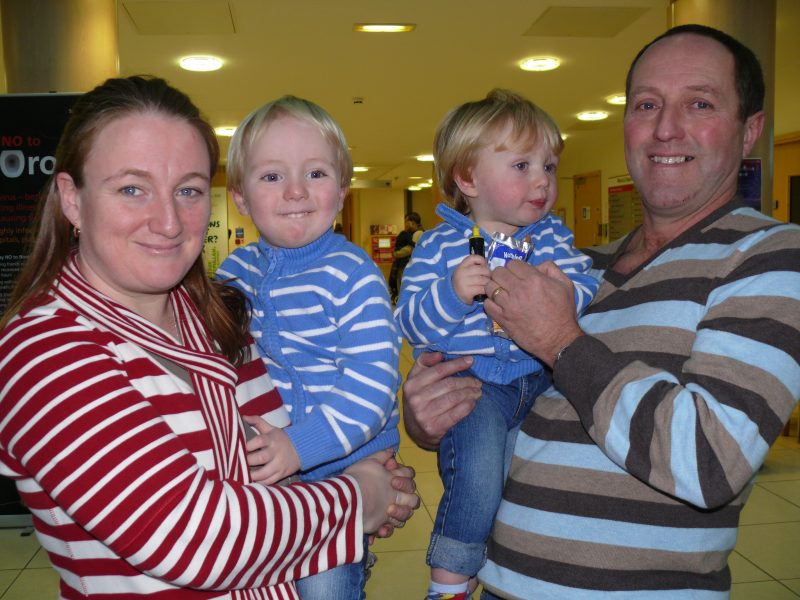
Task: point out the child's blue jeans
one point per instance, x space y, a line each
473 462
342 583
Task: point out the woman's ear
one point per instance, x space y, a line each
70 198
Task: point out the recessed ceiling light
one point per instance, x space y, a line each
413 188
360 169
226 131
539 63
592 115
384 27
617 99
200 63
425 158
425 184
564 136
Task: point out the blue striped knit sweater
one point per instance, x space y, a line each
630 474
322 319
432 317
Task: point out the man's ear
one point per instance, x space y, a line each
241 205
465 183
753 126
70 198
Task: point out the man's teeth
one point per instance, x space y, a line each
670 160
298 215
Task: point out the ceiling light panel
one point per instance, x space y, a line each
384 27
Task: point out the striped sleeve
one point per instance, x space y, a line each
429 312
75 428
689 393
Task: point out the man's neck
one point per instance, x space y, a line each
657 231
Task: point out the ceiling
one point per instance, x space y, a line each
389 91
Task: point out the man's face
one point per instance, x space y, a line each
684 139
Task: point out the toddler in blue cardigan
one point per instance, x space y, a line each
320 311
496 162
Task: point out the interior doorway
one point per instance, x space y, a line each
587 196
794 199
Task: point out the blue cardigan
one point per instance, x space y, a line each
432 317
322 320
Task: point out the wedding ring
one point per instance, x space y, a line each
496 291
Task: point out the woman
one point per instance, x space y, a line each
124 372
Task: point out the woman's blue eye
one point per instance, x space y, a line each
317 174
272 177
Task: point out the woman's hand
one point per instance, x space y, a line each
387 492
434 400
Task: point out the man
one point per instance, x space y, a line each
403 246
630 474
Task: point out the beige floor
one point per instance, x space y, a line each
765 564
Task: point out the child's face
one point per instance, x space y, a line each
510 188
291 184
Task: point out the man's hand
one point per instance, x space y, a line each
434 400
535 305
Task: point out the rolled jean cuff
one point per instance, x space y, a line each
455 556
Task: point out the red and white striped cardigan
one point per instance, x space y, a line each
137 481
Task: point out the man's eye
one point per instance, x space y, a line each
130 190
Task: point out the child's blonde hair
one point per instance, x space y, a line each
467 128
287 106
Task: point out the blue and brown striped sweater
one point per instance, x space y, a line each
690 369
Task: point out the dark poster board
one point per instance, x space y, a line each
30 125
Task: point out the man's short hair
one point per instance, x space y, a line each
748 77
412 216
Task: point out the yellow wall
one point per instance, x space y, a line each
236 220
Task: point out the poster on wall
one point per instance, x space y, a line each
750 182
30 125
624 207
215 248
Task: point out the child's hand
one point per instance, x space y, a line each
470 278
271 454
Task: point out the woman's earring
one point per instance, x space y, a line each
76 232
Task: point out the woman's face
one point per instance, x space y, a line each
144 207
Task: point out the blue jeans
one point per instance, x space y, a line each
473 462
341 583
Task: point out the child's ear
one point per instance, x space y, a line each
465 183
241 205
342 195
